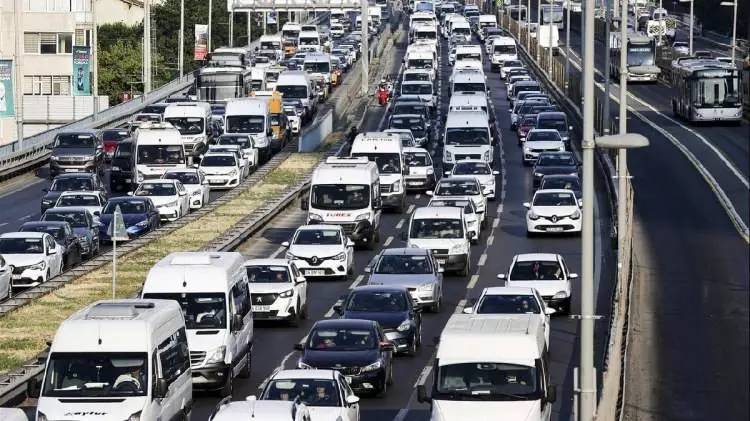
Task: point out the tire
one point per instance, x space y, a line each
245 371
435 308
303 312
465 270
228 387
294 321
389 379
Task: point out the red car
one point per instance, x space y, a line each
110 138
522 128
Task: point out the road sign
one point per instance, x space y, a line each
117 230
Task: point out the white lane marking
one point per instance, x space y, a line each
357 281
482 259
410 209
472 282
460 307
3 224
329 313
277 252
417 196
499 209
23 218
400 224
388 241
423 375
303 340
490 240
401 416
495 223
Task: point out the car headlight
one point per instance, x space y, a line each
314 217
47 202
116 168
170 204
487 156
457 249
533 216
135 417
142 224
430 170
233 173
373 367
199 139
289 256
427 286
448 156
340 257
575 215
396 187
573 173
560 294
303 366
217 355
39 266
196 193
139 177
41 417
538 174
286 294
54 158
404 326
362 217
561 148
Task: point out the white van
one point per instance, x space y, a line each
503 48
158 147
443 230
212 290
508 354
257 79
118 360
386 151
337 30
272 42
318 65
468 81
462 28
469 101
296 85
309 41
427 33
467 136
421 59
290 31
469 52
250 116
346 192
192 120
486 21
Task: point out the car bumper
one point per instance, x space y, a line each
211 376
281 309
222 181
543 225
452 262
56 167
196 202
367 382
421 182
423 298
27 279
326 268
168 213
402 341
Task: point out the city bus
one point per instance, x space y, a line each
218 84
707 90
641 57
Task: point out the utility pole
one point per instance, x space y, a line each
567 46
18 60
249 28
366 50
528 28
94 61
146 46
538 28
607 23
661 22
181 40
210 15
622 153
587 381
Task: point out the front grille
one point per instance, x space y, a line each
348 371
17 270
385 188
196 358
545 150
468 156
347 227
315 260
263 299
266 315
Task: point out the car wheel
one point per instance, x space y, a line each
390 374
228 387
465 270
435 307
303 312
245 371
61 267
294 321
412 351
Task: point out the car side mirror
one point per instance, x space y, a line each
573 276
549 311
299 347
352 399
422 396
468 310
570 128
349 242
527 205
368 269
495 172
551 394
501 276
301 279
237 322
285 244
338 309
51 252
161 389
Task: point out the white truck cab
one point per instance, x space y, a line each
118 360
250 116
158 147
346 192
467 136
296 85
212 290
503 48
444 231
192 120
386 151
309 41
318 64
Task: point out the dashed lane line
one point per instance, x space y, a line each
357 281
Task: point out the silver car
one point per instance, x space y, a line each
413 268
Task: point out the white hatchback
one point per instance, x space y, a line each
321 251
35 257
541 140
480 170
553 211
546 273
222 170
169 197
93 201
195 183
463 186
278 291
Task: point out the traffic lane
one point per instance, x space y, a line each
690 315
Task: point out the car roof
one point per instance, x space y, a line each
159 181
530 257
405 251
469 161
381 288
413 149
67 209
344 323
319 227
552 114
553 191
26 234
75 175
304 374
508 291
127 199
460 178
79 192
91 132
59 224
437 212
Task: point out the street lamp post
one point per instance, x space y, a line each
538 27
734 26
691 24
567 46
607 23
528 30
181 40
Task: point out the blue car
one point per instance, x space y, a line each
138 213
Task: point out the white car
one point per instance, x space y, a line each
221 169
294 117
553 211
35 257
546 273
420 169
473 224
194 182
513 300
512 80
463 186
93 201
321 251
6 273
407 138
246 145
242 159
169 196
266 410
326 393
509 65
480 170
541 140
444 231
681 48
278 290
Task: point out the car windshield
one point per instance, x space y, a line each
506 49
340 196
124 151
543 136
342 339
85 141
436 228
21 246
409 108
450 187
554 199
528 122
419 63
202 310
70 183
556 161
311 392
187 125
468 87
161 154
218 161
463 204
471 168
415 125
78 375
417 159
488 381
377 302
417 76
461 31
114 135
560 183
558 124
245 124
416 89
317 237
511 63
404 265
55 231
292 91
126 207
154 118
469 56
317 67
156 189
186 178
467 136
78 200
76 219
537 270
388 163
508 304
264 274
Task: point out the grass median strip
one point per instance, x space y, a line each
24 332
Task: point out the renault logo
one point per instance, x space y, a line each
554 218
314 260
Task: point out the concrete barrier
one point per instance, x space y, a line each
318 130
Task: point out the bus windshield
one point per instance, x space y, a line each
713 92
340 196
640 55
218 87
160 155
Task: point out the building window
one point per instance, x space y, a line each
83 37
48 43
31 43
46 5
46 85
65 43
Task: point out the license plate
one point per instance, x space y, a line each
413 183
128 180
71 170
16 277
554 229
348 379
442 261
261 309
315 272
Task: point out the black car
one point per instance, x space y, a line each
416 123
63 234
567 182
392 307
83 224
356 348
123 167
70 182
554 163
411 106
76 151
